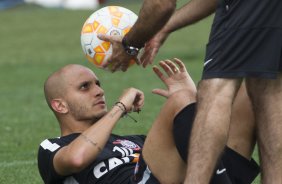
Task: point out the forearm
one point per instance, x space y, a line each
153 15
190 13
85 148
92 141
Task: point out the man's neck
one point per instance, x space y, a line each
74 127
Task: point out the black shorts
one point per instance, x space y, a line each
231 168
245 40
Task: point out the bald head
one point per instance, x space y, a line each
56 84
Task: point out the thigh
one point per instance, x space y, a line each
217 90
266 99
242 136
160 152
265 95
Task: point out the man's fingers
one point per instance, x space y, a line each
140 101
115 66
150 57
153 54
181 65
124 67
172 66
159 73
145 52
137 61
104 37
166 68
160 92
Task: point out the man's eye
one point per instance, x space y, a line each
84 86
98 83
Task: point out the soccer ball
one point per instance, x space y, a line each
110 20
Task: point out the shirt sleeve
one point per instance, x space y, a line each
46 153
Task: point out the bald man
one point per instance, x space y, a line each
88 152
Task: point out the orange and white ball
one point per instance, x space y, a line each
110 20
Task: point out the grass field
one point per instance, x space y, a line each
36 41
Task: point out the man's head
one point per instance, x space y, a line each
74 94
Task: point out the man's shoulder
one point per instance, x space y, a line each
53 144
47 150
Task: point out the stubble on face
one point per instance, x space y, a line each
82 112
81 103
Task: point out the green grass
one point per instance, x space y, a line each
35 42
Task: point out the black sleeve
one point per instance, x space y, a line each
46 153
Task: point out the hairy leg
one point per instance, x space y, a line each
241 137
266 97
160 152
210 129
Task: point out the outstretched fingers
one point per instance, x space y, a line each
159 73
180 64
166 67
172 66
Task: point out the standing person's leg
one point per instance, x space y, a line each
210 129
241 137
236 159
266 98
237 156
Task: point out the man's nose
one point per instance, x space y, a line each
99 91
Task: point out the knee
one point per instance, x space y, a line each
218 130
215 89
180 99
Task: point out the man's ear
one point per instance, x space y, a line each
59 106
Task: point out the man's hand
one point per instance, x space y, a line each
177 78
119 60
133 99
152 47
